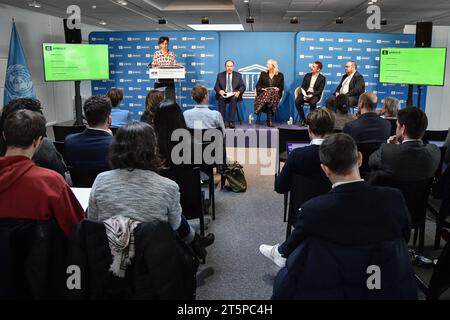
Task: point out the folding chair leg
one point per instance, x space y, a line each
422 237
437 235
286 199
415 236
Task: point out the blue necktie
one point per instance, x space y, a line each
229 88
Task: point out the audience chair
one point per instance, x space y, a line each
303 189
440 278
61 132
83 177
367 148
416 196
59 146
192 198
285 135
434 135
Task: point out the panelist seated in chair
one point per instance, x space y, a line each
313 85
88 150
229 88
352 85
201 117
269 90
353 213
135 190
405 157
305 161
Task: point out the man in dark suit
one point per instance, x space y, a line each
305 161
229 88
89 149
352 85
404 156
369 127
313 84
353 213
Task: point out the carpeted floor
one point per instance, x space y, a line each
234 267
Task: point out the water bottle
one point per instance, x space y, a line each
290 121
250 119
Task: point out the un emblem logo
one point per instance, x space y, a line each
18 82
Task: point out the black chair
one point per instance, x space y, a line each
440 278
192 198
83 177
434 135
444 210
285 135
303 189
416 196
61 132
367 148
59 146
208 168
114 130
393 122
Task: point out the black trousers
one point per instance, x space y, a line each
223 104
299 102
331 102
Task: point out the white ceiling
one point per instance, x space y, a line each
314 15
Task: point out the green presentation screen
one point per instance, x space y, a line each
63 61
421 66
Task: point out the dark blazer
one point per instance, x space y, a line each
88 149
263 82
356 87
352 214
304 161
237 83
319 85
322 270
408 161
163 267
369 127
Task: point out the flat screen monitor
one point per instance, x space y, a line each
71 62
420 66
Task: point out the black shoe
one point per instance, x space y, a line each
207 240
198 247
231 125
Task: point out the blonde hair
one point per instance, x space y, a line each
275 65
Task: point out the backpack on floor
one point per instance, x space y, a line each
234 177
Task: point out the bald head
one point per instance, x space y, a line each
368 102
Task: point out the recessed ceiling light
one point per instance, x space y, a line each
34 4
246 1
102 22
94 6
122 2
216 27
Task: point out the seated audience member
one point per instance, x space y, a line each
352 85
342 114
269 90
134 190
353 213
169 118
88 150
390 108
404 156
119 117
46 156
305 160
26 190
152 101
201 117
369 127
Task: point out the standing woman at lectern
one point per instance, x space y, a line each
164 57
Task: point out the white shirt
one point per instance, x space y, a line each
345 182
312 83
316 142
201 117
99 129
345 85
407 140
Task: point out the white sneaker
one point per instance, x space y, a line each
273 254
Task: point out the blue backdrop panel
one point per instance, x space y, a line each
250 51
334 49
131 52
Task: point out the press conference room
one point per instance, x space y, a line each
224 150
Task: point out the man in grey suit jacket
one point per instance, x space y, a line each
404 156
